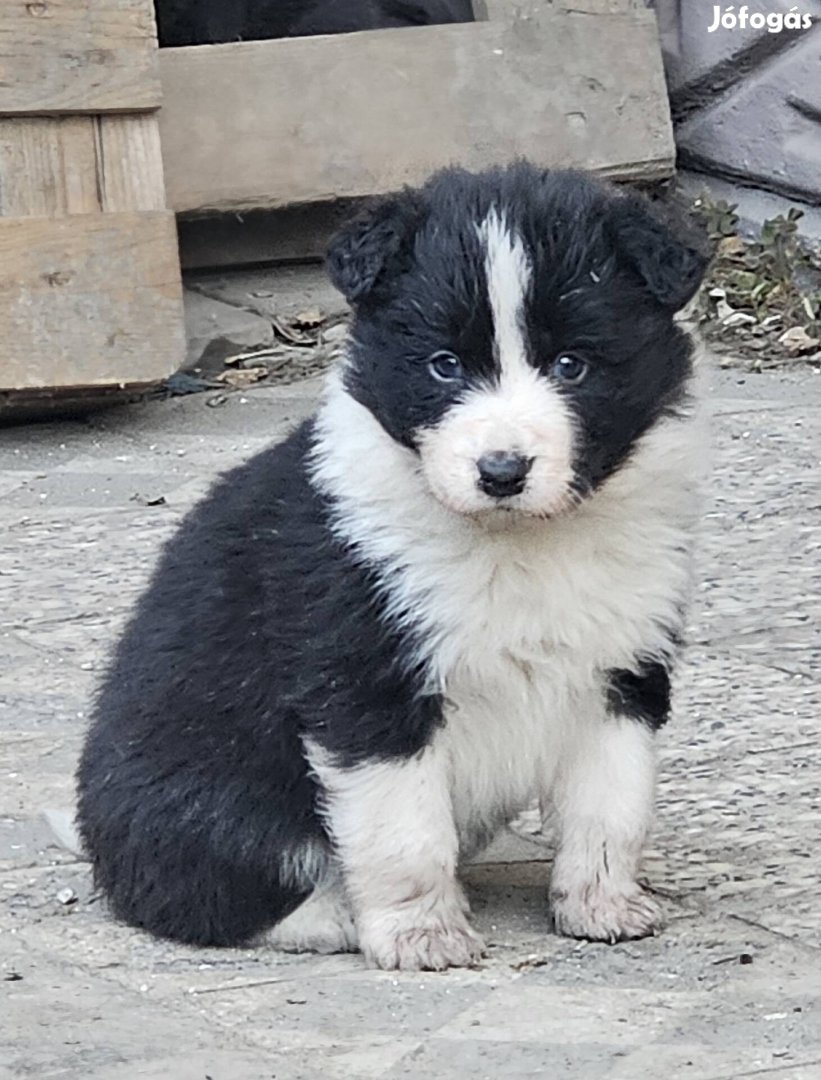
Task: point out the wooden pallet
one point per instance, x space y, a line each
90 293
272 123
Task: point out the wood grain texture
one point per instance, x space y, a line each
89 300
129 163
86 56
50 166
90 293
266 124
79 172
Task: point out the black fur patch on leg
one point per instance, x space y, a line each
643 695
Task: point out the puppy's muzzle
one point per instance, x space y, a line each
503 474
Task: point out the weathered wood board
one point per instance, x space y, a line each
90 291
88 300
268 124
90 56
53 165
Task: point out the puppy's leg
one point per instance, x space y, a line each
322 924
603 799
393 828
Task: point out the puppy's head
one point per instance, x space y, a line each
515 329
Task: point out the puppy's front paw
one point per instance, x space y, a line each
599 914
427 943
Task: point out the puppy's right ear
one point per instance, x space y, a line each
374 246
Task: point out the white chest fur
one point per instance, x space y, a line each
517 625
526 629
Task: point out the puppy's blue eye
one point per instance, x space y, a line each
570 369
445 367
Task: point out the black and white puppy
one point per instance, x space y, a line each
456 590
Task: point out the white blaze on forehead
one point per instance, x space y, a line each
508 272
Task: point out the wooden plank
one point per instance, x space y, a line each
90 292
80 176
130 164
87 56
267 124
48 166
89 300
51 166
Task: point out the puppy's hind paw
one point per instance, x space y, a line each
322 924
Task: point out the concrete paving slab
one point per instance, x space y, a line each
214 331
729 990
281 292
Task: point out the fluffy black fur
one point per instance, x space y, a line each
643 695
608 276
259 628
208 22
256 629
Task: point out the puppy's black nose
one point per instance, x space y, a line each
502 474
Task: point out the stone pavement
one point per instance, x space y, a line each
732 989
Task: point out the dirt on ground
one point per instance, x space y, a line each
760 308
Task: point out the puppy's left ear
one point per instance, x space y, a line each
374 246
670 258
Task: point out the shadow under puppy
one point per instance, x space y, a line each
456 589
